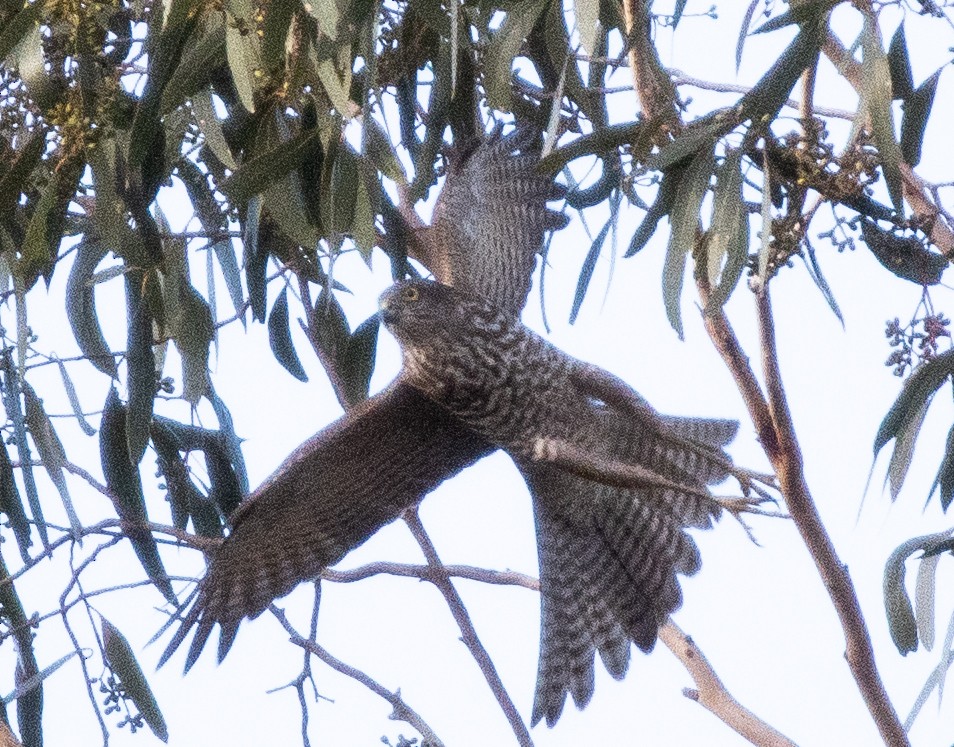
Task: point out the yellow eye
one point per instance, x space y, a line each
410 293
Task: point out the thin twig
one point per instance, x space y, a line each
468 633
402 711
712 695
428 573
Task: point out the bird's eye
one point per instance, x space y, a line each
410 293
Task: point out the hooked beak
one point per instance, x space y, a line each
386 314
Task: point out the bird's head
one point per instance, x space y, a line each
424 314
415 311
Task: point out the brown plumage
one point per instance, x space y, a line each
609 553
330 495
610 542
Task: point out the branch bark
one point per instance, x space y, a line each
402 711
773 423
468 633
712 694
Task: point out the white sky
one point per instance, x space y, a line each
760 614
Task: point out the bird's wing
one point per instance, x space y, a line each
329 496
491 218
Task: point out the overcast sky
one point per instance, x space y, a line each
760 614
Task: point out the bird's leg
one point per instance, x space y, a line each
571 458
600 384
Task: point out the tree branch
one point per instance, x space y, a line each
712 694
772 419
468 633
402 711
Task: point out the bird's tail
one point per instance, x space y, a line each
609 559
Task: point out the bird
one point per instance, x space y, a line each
610 507
613 483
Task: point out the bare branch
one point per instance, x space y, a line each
468 633
772 419
427 573
402 711
712 695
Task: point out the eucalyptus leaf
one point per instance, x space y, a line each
81 308
684 222
51 451
917 112
122 661
504 46
279 338
877 77
125 486
919 387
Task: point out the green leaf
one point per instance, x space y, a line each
11 403
698 136
920 386
279 337
81 308
15 29
256 259
660 208
924 593
224 488
917 112
256 175
30 683
240 50
604 140
45 231
945 473
122 661
338 90
728 232
814 270
180 21
326 13
897 603
588 23
902 84
763 102
51 451
804 11
504 46
125 486
185 499
878 96
14 179
378 148
140 364
192 328
202 57
589 264
684 221
339 188
211 127
12 504
232 443
358 362
904 256
362 229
